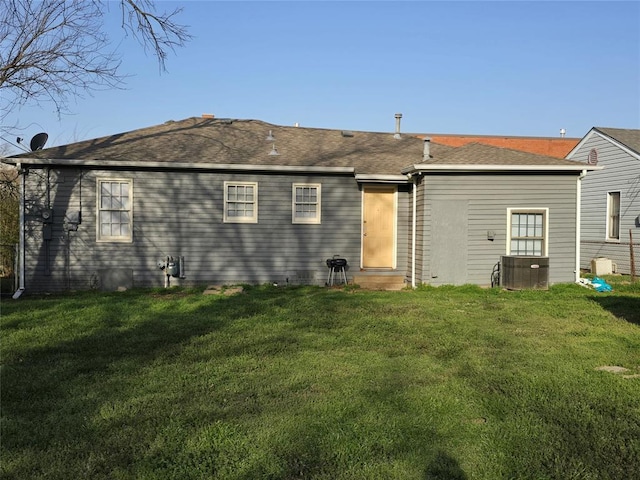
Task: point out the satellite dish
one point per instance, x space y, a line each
38 141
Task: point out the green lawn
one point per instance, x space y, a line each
297 383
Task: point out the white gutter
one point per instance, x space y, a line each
578 220
375 178
185 165
497 168
21 267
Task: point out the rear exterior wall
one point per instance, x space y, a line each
462 224
180 213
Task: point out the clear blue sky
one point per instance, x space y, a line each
490 68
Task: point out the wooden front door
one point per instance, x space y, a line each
379 227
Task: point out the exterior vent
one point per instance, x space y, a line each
524 272
397 135
347 133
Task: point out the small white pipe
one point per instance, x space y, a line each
167 280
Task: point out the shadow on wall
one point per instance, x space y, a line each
444 467
624 307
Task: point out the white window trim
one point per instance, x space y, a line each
113 239
545 214
306 220
608 217
254 217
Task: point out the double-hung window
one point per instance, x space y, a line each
613 216
527 232
240 202
115 210
305 203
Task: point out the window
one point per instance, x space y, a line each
306 203
240 202
527 232
115 210
613 216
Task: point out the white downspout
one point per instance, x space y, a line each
413 236
578 221
21 266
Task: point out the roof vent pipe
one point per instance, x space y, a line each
397 134
426 151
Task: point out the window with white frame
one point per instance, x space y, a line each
115 210
527 232
613 216
240 202
306 203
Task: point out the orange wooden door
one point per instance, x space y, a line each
378 228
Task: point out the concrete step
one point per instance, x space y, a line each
370 281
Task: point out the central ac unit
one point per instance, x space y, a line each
522 272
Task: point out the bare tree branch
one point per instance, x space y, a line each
55 50
156 32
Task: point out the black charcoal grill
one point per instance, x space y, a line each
336 265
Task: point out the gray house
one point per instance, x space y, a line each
227 201
610 198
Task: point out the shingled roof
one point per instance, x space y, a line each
480 154
210 142
230 143
628 137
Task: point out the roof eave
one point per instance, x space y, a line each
442 168
377 178
147 165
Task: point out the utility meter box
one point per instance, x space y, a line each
173 268
47 215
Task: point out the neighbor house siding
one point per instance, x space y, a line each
181 214
483 200
621 173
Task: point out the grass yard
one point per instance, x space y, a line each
311 383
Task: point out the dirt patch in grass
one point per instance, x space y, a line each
222 290
618 370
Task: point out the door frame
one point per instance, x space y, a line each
394 248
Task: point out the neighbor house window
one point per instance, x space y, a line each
115 210
240 202
306 203
613 216
527 232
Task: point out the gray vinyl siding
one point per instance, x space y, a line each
181 214
621 173
403 230
487 198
